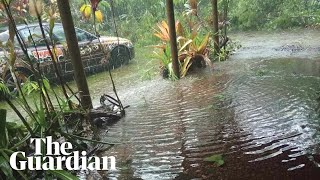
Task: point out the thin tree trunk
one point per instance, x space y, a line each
226 8
73 48
215 25
173 38
3 120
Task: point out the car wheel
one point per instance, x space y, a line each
22 77
119 56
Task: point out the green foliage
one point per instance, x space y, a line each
136 17
43 118
227 50
257 14
5 168
30 86
4 165
192 48
216 159
164 55
63 175
5 139
4 91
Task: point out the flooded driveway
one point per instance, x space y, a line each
259 110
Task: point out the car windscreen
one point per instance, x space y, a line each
33 36
26 34
82 36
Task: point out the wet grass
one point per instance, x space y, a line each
142 68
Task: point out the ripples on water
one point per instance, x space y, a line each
279 115
164 121
169 124
248 116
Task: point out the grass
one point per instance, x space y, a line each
142 68
145 64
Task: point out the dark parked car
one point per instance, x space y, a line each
119 51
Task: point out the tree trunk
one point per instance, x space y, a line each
215 25
3 138
73 48
173 38
226 7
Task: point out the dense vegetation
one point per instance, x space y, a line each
47 114
137 18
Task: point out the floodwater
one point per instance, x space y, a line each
259 110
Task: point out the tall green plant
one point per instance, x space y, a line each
192 48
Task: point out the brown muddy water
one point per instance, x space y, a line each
258 109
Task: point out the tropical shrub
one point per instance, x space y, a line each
192 48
